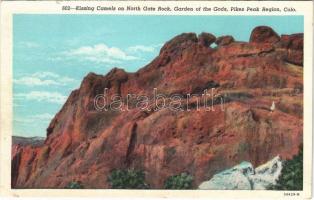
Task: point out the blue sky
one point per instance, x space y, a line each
52 53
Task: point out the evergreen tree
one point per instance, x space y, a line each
127 179
181 181
291 177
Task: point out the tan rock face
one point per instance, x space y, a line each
84 144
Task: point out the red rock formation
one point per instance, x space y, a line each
264 34
84 144
206 39
224 40
293 48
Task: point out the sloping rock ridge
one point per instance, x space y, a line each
24 141
245 177
85 144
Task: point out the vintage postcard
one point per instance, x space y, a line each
161 99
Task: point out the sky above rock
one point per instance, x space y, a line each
52 53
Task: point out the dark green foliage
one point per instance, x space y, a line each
74 185
127 179
243 147
291 177
181 181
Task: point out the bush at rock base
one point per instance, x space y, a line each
127 179
181 181
74 185
291 177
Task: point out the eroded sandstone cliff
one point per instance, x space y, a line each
84 144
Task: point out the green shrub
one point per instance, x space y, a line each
181 181
291 177
243 147
74 185
127 179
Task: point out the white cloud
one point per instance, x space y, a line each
44 79
99 53
28 44
46 117
31 81
141 48
42 96
17 105
138 49
23 120
46 75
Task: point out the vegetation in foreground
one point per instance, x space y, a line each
291 177
181 181
127 179
74 185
